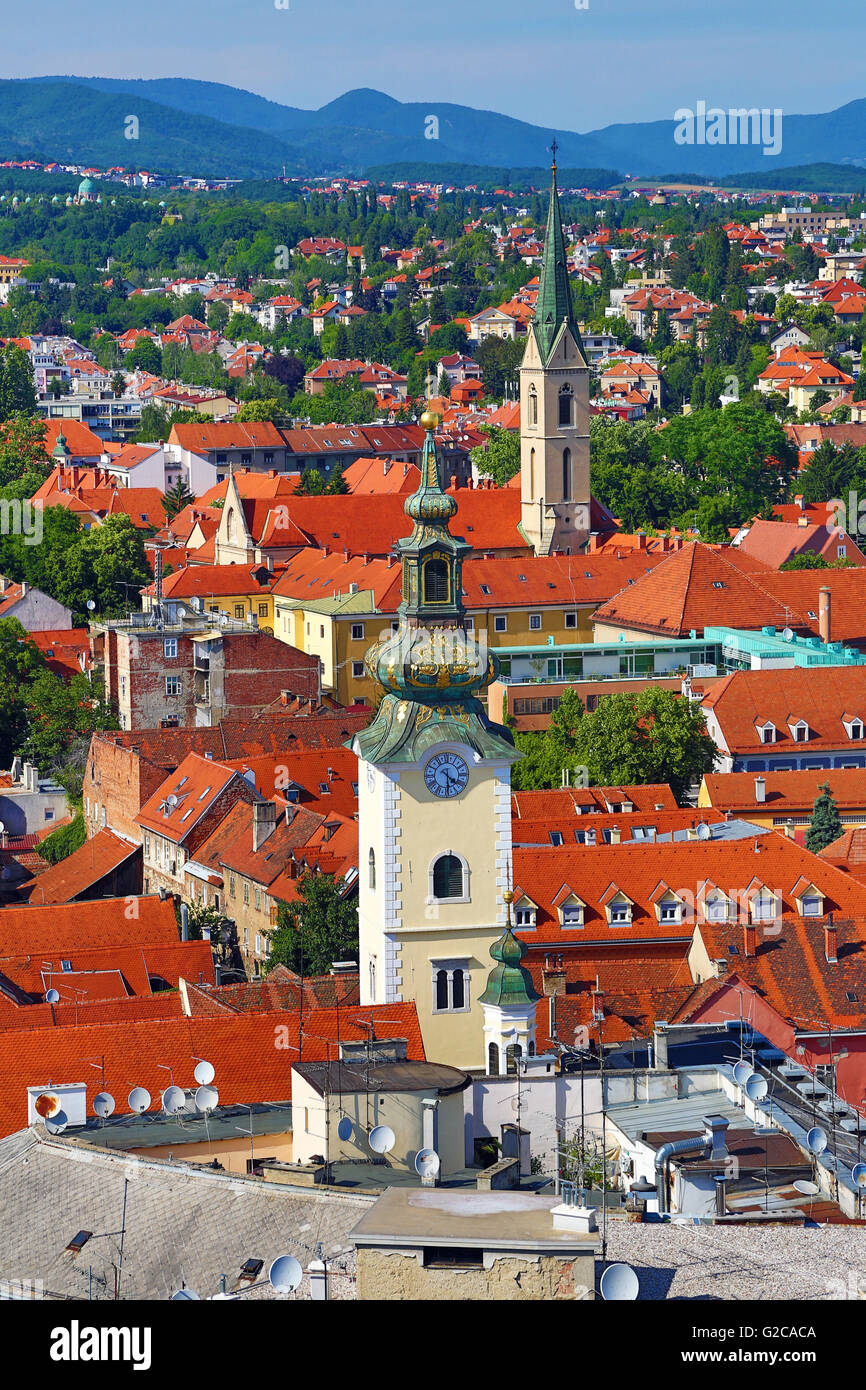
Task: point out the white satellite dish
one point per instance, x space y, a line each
788 634
204 1073
57 1123
816 1140
427 1163
103 1105
171 800
53 996
619 1284
858 1173
173 1100
185 1296
139 1099
807 1188
382 1139
207 1099
91 606
344 1129
742 1072
756 1087
285 1274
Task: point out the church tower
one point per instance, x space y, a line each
554 408
434 794
509 1003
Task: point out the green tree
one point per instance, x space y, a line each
176 499
118 385
22 454
146 356
501 457
826 823
651 736
17 391
64 840
318 928
806 560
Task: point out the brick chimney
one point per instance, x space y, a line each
641 540
830 940
264 822
615 835
824 613
750 939
553 975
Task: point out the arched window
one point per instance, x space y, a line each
493 1060
371 860
566 475
565 405
458 999
513 1053
448 877
372 968
532 1049
232 525
533 406
532 471
441 989
436 582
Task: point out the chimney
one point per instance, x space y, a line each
691 832
800 501
641 540
553 975
597 1000
760 790
830 940
715 1136
264 822
184 922
824 613
789 828
750 939
615 835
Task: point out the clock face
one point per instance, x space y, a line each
446 775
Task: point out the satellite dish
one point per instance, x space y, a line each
807 1188
103 1105
139 1099
704 831
756 1087
207 1098
91 605
53 996
285 1274
344 1128
619 1284
47 1105
382 1139
57 1123
204 1073
742 1072
185 1296
173 1100
427 1163
171 800
858 1173
788 634
816 1140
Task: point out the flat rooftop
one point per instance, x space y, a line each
494 1220
125 1132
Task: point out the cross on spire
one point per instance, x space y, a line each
553 148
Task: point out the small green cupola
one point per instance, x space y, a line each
509 983
60 450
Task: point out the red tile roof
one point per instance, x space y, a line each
39 931
793 792
195 785
745 699
71 877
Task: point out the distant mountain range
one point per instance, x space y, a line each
210 129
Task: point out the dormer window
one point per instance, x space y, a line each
525 914
766 732
570 907
799 731
763 906
853 726
617 906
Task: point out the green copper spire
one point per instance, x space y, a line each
509 983
60 450
554 289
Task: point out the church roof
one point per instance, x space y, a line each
509 983
553 306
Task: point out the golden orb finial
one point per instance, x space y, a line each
508 896
429 420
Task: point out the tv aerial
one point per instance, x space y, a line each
619 1284
139 1099
204 1072
206 1099
344 1129
52 996
285 1274
427 1163
816 1140
173 1100
103 1105
382 1139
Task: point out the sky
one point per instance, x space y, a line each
543 61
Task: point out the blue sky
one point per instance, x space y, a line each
540 60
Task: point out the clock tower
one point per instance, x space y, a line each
434 792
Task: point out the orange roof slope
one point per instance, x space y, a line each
84 867
104 922
823 698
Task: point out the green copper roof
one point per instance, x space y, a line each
509 984
554 290
404 729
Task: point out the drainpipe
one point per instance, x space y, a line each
713 1139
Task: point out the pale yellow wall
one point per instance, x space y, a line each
315 1125
233 1154
541 475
